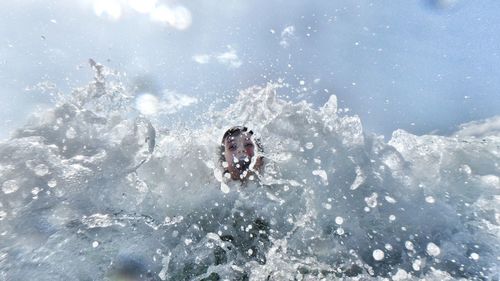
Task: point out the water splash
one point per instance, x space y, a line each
331 202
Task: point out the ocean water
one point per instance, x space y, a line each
90 189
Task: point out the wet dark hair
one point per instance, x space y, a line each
235 131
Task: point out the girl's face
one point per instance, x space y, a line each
238 152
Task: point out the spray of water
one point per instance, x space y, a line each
90 190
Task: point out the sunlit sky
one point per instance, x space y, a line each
424 66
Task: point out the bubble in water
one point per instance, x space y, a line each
430 200
188 241
392 217
41 170
3 214
309 145
10 186
378 255
473 256
327 206
70 133
339 220
52 183
388 247
433 249
95 244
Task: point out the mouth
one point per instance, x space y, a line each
242 164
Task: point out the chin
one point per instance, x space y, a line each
245 175
236 175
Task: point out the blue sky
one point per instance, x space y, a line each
423 66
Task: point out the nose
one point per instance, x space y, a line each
241 153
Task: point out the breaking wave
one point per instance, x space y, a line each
90 188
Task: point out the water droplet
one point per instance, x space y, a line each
36 190
360 178
465 169
417 265
392 217
433 249
409 245
400 275
224 188
95 244
473 256
339 220
378 255
10 186
340 231
372 200
430 200
52 183
322 174
390 199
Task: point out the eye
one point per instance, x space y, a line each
232 146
